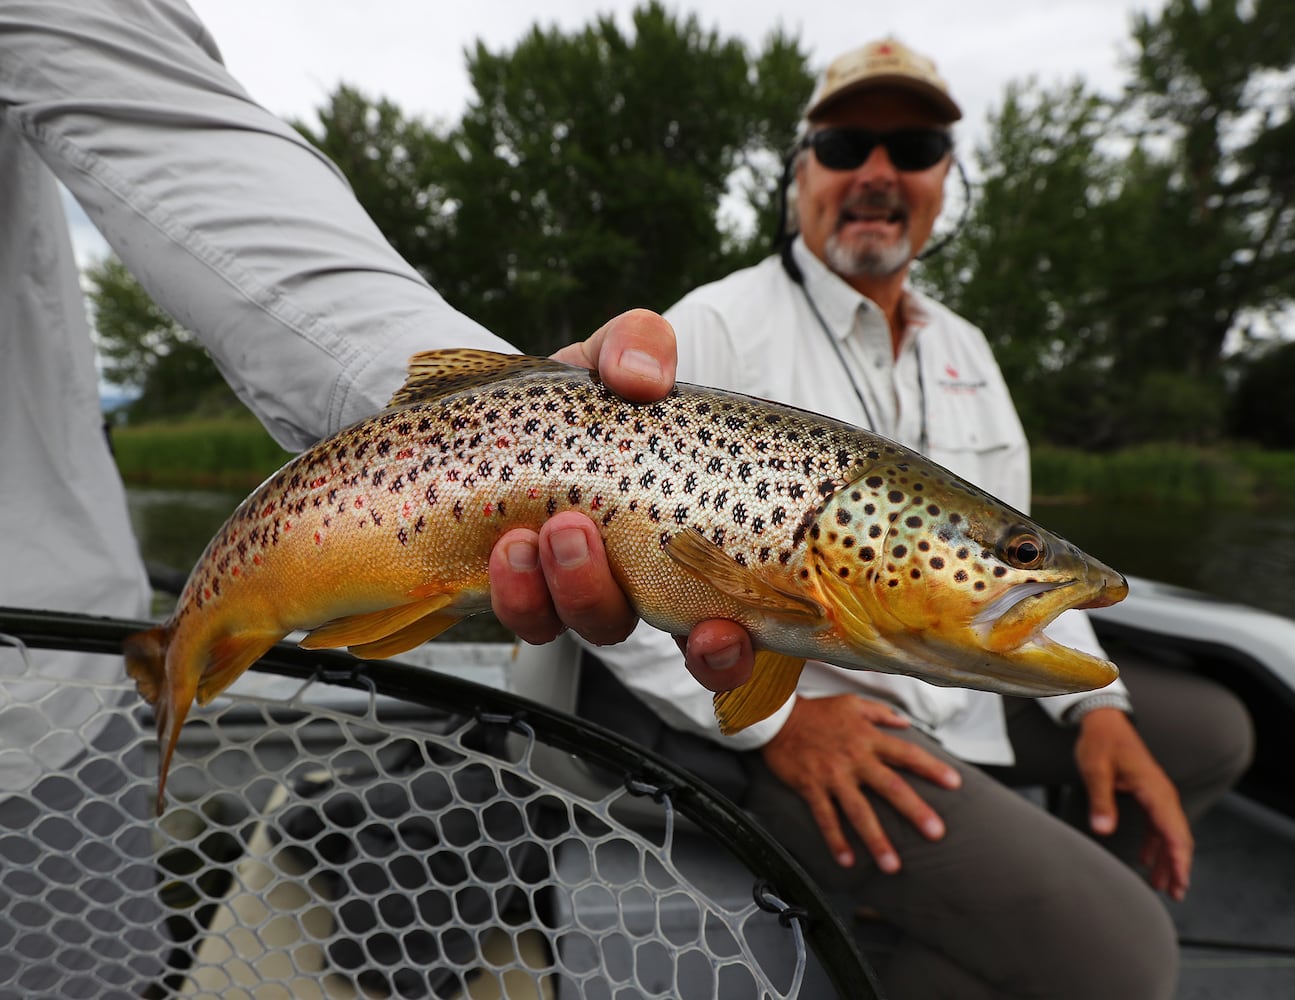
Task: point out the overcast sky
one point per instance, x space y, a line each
290 54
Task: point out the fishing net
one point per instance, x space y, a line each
373 830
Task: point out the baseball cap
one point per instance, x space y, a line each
886 63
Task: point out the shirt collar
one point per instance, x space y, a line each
839 302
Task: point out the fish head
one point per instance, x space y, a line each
954 585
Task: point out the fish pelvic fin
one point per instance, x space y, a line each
432 374
773 680
701 557
387 631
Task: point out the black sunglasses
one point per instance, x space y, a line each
908 149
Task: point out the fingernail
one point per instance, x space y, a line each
522 556
933 828
888 863
845 859
1102 823
724 659
641 363
952 779
570 547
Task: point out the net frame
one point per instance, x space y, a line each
490 733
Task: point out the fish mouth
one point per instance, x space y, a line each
1021 613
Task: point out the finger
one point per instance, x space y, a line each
882 714
1100 783
910 757
633 353
829 824
718 654
585 594
863 819
519 595
1167 820
887 783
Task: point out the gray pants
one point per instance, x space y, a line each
1015 902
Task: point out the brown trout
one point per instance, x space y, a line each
825 541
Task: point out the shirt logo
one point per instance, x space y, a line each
955 384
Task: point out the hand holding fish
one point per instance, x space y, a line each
830 749
1112 758
543 582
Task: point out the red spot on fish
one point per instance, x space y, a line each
316 483
234 571
206 593
532 492
502 442
359 501
408 509
256 559
287 526
488 509
596 503
405 453
319 539
269 509
626 446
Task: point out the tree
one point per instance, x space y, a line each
1117 248
143 348
588 174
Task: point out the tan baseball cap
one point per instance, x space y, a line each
887 63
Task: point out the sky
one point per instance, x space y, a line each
291 54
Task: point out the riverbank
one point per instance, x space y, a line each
239 455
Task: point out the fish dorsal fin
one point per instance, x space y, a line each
711 564
433 374
773 680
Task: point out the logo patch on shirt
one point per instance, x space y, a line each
955 383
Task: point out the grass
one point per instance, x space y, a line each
221 454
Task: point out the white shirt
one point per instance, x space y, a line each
231 221
755 332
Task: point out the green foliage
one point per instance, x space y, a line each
143 348
588 174
1147 474
235 454
1115 246
1262 409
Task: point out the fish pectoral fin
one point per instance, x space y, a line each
229 657
707 561
421 631
432 374
773 680
373 627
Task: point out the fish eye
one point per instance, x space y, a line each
1025 551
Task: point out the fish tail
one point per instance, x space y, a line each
146 656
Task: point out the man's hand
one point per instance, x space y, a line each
1112 758
830 747
543 582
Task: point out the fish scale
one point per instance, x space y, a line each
824 540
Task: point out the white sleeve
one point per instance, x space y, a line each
239 228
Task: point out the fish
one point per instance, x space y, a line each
824 540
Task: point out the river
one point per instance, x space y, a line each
1246 556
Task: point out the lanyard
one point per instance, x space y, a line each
794 272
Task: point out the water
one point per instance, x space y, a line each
1246 556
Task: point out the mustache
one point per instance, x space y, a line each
873 202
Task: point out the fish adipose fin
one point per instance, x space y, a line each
437 373
707 561
386 632
773 680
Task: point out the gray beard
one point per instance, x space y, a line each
864 261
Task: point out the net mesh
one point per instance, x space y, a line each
315 848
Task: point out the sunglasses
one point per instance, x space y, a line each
908 149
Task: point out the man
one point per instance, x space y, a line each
252 240
992 896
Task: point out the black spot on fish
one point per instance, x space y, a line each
867 553
874 531
894 496
980 585
900 551
875 482
914 522
843 516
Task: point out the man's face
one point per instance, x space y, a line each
869 222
